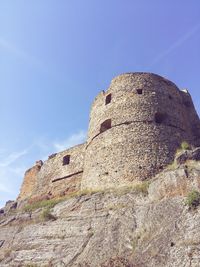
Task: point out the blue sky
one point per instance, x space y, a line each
56 55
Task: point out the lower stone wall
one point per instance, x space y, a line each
66 186
58 189
56 177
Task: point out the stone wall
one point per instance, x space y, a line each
191 118
29 182
149 120
55 179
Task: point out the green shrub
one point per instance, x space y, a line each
50 203
172 166
142 187
193 199
185 146
47 216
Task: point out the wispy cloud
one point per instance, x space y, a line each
72 140
4 188
11 172
31 60
176 44
19 53
12 158
43 147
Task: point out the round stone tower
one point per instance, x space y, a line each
135 129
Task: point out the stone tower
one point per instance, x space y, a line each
135 129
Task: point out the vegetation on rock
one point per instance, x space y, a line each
183 146
193 199
47 216
48 204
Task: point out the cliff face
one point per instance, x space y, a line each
147 225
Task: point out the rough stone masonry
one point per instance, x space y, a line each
135 129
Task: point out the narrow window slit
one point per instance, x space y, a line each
172 244
108 99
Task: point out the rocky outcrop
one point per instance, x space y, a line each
138 226
188 155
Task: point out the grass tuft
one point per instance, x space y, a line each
184 146
47 216
193 199
142 187
48 204
51 203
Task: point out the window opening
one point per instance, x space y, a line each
66 160
160 117
139 91
105 125
108 99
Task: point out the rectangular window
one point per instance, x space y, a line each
66 160
139 91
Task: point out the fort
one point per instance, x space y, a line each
135 128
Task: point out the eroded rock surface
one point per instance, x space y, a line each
125 228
